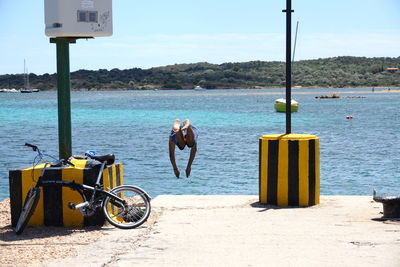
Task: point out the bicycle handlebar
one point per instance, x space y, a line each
61 161
34 148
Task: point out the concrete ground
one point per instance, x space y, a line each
237 231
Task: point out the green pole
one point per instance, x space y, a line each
63 96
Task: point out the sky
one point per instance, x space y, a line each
152 33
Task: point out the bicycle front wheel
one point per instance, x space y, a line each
31 201
131 213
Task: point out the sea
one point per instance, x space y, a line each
357 155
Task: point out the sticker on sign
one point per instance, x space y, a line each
86 4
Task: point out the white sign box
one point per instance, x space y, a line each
78 18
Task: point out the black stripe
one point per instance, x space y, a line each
110 176
311 172
259 168
111 181
118 172
90 175
272 187
89 178
293 173
52 199
88 164
15 179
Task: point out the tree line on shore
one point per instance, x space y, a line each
328 72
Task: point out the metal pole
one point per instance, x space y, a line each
288 11
63 96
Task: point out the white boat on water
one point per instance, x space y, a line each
280 105
4 90
198 87
29 90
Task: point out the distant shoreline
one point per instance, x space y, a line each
317 91
380 89
334 72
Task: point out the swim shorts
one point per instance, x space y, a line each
172 135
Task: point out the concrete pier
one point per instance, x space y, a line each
238 231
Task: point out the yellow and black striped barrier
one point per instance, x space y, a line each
52 208
289 170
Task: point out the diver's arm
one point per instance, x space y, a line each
193 151
172 157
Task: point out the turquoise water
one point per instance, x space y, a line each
356 155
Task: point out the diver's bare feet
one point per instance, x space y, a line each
177 125
187 124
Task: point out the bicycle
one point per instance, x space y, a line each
124 206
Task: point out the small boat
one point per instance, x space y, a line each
9 90
26 90
198 87
328 96
280 105
29 90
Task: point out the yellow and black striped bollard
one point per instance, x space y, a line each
289 170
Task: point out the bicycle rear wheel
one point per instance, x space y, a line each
130 214
31 201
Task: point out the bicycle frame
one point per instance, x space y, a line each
80 187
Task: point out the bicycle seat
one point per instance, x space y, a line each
108 159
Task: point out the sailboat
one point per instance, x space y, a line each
27 88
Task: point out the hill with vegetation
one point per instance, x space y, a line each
328 72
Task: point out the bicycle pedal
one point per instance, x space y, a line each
71 206
81 205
